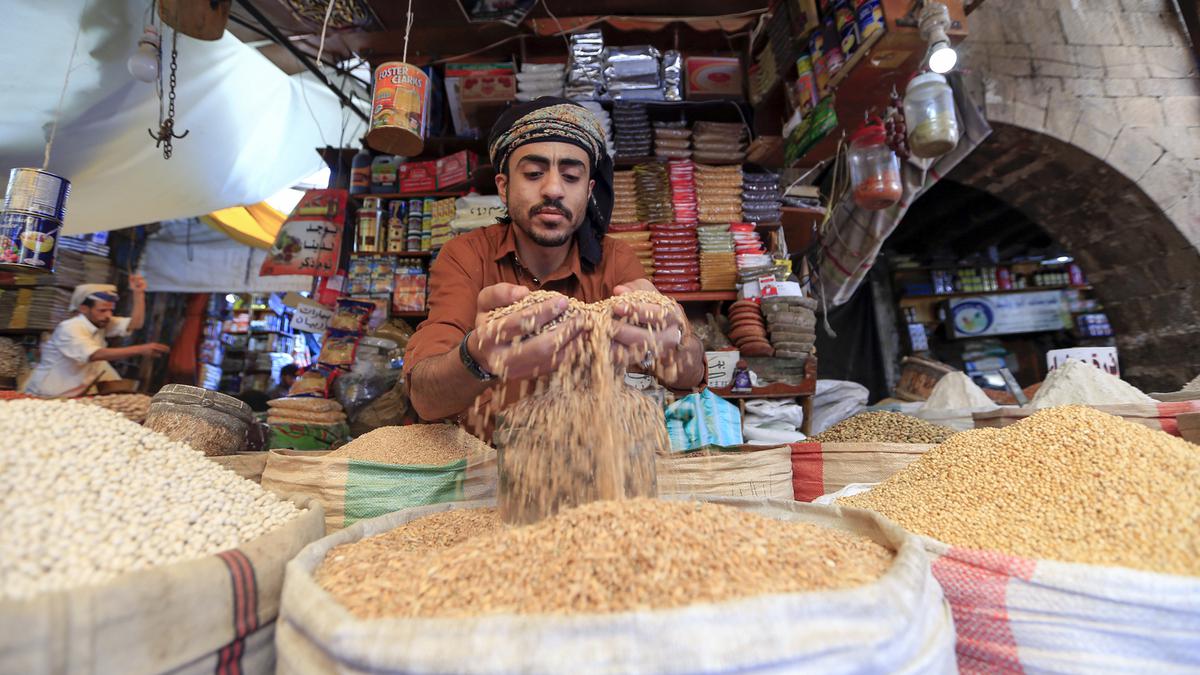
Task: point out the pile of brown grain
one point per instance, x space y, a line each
884 427
415 444
584 435
608 556
1070 483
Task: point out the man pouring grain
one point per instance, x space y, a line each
555 178
77 353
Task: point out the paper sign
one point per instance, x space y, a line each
1009 314
311 317
721 366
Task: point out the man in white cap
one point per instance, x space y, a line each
77 353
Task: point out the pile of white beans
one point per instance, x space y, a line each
86 495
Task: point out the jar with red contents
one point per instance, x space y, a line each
874 168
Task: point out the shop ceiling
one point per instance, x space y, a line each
441 30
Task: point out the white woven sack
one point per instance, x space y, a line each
898 624
1017 615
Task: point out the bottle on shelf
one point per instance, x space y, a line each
360 172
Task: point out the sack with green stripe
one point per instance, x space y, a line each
352 490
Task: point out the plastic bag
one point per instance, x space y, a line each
703 419
835 401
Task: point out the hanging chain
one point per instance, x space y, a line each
166 126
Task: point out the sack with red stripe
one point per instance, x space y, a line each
823 468
209 616
897 624
1160 416
1016 615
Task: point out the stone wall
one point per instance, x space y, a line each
1115 78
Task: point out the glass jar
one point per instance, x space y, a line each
930 116
874 168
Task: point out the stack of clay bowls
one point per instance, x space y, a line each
792 323
747 330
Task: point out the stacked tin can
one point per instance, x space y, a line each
35 205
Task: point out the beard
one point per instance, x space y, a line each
550 238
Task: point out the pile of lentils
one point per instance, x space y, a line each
87 495
1070 484
607 556
884 427
414 444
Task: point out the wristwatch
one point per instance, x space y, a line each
472 365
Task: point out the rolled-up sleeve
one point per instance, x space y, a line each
118 326
454 285
77 343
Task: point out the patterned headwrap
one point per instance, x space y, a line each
558 120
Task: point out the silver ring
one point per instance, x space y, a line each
648 361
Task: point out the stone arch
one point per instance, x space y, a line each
1144 269
1115 78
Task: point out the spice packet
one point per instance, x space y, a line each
313 383
338 349
351 315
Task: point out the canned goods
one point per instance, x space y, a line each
870 18
399 106
38 192
847 27
28 241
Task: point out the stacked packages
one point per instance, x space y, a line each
718 268
747 329
634 137
625 224
792 324
676 247
540 79
719 142
672 140
720 190
304 410
761 199
633 73
605 121
585 72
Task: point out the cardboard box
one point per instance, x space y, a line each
457 169
713 77
417 177
484 81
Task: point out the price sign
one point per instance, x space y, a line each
311 317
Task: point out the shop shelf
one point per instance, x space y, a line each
414 195
1034 289
777 390
704 296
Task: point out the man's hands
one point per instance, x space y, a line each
152 349
516 345
137 283
647 331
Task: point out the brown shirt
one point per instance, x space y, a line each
487 256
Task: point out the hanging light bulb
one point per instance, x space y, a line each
143 65
935 19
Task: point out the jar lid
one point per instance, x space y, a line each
871 133
926 78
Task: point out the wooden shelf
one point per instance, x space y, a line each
806 388
946 296
704 296
397 254
414 195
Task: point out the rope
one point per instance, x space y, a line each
62 95
407 30
324 25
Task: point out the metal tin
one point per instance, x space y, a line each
38 192
399 111
847 27
28 241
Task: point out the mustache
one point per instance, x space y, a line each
555 204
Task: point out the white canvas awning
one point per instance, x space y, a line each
251 133
187 256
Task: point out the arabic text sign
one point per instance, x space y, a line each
311 317
1007 314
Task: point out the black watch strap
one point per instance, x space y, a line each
472 365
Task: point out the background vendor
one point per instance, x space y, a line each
555 179
77 353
